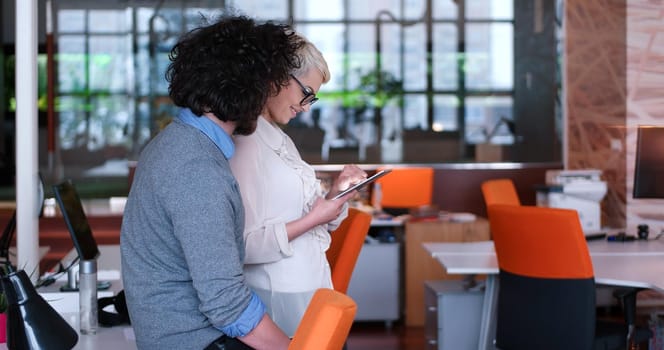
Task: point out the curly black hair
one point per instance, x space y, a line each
230 68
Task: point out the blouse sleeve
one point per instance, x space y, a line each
265 241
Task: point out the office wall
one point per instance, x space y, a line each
595 89
457 188
645 97
614 81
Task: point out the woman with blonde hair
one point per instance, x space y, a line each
288 217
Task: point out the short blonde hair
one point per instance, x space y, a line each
311 58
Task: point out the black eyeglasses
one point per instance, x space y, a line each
309 95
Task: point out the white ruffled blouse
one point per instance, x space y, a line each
278 187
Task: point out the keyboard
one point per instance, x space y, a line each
595 236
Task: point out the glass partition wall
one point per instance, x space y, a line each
413 81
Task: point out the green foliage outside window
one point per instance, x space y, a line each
9 86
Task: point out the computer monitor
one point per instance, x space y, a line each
649 163
76 221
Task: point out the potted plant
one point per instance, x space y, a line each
374 91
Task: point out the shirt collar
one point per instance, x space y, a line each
270 133
218 135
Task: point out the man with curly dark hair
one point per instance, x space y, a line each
182 231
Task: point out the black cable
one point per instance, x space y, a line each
6 268
7 235
43 282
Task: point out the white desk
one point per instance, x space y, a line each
114 338
396 221
107 338
627 264
646 271
596 248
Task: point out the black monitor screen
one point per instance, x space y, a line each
649 164
77 222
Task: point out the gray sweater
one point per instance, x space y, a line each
181 241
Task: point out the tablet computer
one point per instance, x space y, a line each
363 183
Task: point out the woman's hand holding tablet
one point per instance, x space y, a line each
363 183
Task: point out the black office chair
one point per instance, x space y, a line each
546 296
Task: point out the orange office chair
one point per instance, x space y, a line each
405 188
347 242
326 322
500 191
546 298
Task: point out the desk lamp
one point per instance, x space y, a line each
31 322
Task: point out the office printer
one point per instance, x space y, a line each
582 190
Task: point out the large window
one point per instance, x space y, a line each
407 76
449 64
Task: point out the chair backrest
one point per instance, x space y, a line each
499 191
406 187
546 298
326 322
347 242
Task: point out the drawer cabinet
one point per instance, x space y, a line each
420 266
375 283
452 316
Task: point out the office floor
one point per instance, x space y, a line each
375 336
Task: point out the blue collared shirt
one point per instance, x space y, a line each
210 129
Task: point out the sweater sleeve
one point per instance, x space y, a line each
207 217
